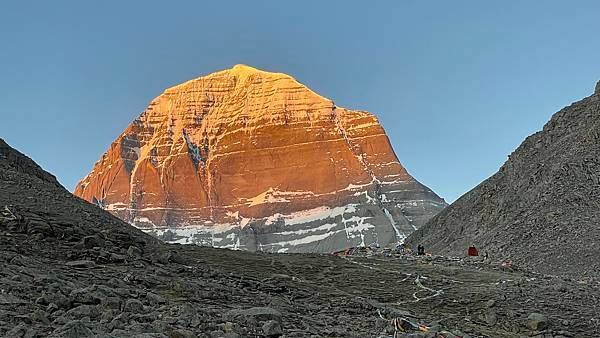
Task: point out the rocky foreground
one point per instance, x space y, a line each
70 269
61 283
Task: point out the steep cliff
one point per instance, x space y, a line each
244 158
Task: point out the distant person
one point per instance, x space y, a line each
420 250
401 248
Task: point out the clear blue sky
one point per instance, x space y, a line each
457 84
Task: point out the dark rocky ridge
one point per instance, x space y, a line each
15 161
69 269
542 208
26 188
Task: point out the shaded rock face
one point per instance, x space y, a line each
542 208
249 159
33 203
17 162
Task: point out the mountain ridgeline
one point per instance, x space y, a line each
542 208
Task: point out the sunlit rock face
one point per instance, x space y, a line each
254 160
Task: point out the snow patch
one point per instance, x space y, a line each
318 213
271 196
145 220
399 234
324 227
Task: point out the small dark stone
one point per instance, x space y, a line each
84 264
134 252
92 241
154 299
537 322
133 305
73 329
272 328
257 313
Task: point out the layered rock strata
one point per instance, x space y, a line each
249 159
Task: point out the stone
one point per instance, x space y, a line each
155 299
18 331
39 227
119 322
272 328
491 318
83 311
134 252
257 313
40 317
113 303
170 257
83 264
537 322
217 334
88 295
133 305
51 308
245 144
230 335
73 329
92 241
116 258
181 334
10 299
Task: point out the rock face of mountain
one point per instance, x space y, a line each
249 159
542 208
70 269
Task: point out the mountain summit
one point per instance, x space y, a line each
249 159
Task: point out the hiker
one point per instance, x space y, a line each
420 250
401 248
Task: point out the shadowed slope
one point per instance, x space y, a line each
249 159
542 208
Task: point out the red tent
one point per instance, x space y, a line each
473 251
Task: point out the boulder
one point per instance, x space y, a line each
537 322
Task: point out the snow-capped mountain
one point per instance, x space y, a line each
249 159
